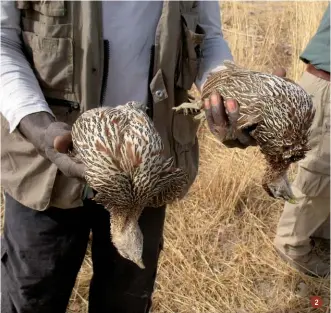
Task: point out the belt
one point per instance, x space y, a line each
318 73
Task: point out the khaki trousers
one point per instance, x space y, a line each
310 217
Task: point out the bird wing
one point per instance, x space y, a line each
169 185
123 154
98 137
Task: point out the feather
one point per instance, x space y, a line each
123 154
278 111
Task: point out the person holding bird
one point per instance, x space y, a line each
303 232
60 59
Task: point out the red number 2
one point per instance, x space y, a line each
316 301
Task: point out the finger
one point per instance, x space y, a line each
63 143
231 105
209 115
280 71
218 110
232 108
66 165
58 129
70 168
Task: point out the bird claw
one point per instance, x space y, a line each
188 107
200 116
140 264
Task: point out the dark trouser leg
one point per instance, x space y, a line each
41 255
118 285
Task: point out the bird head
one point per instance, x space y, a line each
279 187
284 146
127 238
275 181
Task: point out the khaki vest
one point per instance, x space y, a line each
63 41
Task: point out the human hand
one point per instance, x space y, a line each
222 117
53 140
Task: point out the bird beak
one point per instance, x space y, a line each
292 201
140 263
280 189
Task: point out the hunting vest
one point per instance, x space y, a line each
64 43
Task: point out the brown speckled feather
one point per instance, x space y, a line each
123 154
281 109
276 112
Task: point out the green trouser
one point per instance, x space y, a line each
310 217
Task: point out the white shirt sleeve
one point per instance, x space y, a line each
20 93
215 49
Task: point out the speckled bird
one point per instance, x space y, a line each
123 154
275 111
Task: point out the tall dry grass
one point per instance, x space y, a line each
218 255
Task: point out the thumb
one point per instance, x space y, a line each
280 72
66 164
63 143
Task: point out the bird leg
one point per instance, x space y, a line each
189 107
200 116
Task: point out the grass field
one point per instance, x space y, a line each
218 255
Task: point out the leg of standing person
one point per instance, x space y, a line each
311 215
41 254
119 285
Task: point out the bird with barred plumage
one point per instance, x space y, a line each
274 110
123 155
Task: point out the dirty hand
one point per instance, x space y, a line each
222 119
52 140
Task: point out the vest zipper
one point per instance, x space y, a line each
150 101
105 71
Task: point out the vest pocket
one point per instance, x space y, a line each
52 60
189 57
312 184
47 8
47 30
186 144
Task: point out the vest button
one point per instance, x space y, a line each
159 93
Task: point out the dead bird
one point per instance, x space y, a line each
122 152
275 111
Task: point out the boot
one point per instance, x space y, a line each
310 264
322 248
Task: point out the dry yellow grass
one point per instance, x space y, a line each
218 255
